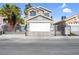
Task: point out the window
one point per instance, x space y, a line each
32 13
46 14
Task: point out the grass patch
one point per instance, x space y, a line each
72 34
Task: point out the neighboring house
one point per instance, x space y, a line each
1 23
39 21
1 19
72 21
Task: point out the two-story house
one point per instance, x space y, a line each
39 21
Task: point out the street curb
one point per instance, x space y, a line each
21 37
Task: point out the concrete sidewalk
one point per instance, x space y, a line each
22 36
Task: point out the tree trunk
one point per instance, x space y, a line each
11 26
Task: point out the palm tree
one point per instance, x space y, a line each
27 7
19 20
11 12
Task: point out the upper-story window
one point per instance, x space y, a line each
32 13
46 14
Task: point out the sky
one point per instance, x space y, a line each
58 9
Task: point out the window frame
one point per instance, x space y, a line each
31 13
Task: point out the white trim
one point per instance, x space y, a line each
44 8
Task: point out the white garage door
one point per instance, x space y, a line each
39 27
74 28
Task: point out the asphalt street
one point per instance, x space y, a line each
40 47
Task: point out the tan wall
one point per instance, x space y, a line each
72 20
1 20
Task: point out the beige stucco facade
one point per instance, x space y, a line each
1 19
72 20
42 19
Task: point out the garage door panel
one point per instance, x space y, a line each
39 27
